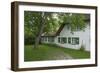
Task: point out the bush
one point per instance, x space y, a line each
29 40
82 48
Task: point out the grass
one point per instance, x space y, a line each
51 52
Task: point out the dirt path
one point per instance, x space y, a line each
60 55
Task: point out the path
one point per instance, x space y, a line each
60 55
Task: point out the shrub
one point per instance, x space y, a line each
82 48
29 40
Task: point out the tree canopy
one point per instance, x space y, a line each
52 21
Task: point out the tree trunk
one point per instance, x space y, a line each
42 23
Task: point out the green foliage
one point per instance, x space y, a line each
74 21
31 23
77 22
53 20
51 23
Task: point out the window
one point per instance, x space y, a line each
45 38
50 39
69 40
62 40
42 38
58 39
75 40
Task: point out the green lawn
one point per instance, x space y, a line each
51 52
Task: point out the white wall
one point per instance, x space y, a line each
5 38
84 38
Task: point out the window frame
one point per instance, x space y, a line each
74 41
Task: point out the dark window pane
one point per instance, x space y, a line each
63 40
69 40
58 39
50 39
45 38
75 40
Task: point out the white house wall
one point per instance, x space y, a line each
84 38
